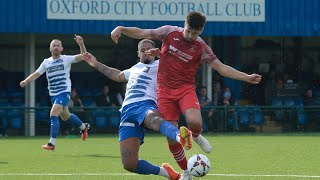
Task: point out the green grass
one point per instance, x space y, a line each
99 157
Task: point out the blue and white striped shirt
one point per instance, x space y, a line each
142 83
58 73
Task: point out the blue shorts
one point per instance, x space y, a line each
62 99
132 117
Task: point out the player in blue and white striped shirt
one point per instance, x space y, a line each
139 110
57 68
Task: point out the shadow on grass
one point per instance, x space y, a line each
91 155
4 163
102 156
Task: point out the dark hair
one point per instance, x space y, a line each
196 20
146 41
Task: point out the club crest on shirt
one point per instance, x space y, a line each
176 39
193 48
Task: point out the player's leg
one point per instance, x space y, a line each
58 102
131 138
154 122
75 121
54 126
170 111
190 107
177 151
129 149
192 116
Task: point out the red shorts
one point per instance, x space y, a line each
173 101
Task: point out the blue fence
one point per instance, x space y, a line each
215 119
282 18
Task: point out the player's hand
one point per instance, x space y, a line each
78 39
116 34
23 84
254 78
90 59
153 52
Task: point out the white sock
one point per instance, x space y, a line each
52 141
186 171
163 172
83 126
196 138
178 138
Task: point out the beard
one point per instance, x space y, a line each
56 53
147 61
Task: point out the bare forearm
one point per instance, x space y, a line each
32 77
82 48
135 33
110 72
82 51
232 73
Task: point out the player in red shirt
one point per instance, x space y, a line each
181 54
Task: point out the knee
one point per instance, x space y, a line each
130 166
195 124
193 117
54 113
65 117
156 122
153 121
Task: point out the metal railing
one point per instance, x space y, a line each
18 120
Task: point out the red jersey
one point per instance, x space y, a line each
179 59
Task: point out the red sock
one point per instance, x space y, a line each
178 154
195 132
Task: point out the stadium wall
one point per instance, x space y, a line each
281 18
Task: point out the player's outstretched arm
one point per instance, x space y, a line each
230 72
132 32
112 73
30 78
83 49
153 52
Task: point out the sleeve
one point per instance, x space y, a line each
207 54
70 58
42 68
162 32
127 74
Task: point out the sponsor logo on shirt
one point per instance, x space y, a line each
181 55
172 48
55 68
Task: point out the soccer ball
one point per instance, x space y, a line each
198 165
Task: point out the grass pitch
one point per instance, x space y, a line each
239 156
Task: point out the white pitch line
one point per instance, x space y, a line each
132 174
68 174
266 175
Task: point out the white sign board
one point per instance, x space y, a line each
156 10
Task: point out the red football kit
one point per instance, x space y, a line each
179 61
